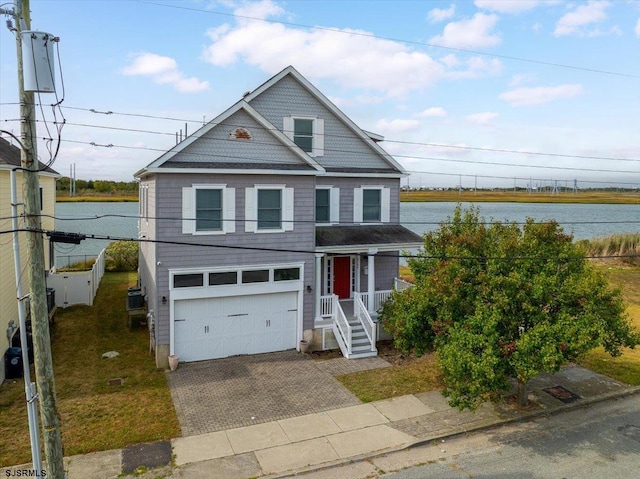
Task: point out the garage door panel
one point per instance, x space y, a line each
221 327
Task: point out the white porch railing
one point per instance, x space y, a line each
379 297
401 285
364 318
326 306
341 327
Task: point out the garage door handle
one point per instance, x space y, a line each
241 314
291 310
178 320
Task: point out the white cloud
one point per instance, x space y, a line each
484 118
477 67
502 6
540 95
578 20
521 78
352 58
637 30
163 70
470 33
397 126
435 111
440 14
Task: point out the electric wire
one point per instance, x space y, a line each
399 40
386 140
334 136
415 223
313 252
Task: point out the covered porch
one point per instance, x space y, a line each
356 269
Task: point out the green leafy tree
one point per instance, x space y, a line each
123 255
500 301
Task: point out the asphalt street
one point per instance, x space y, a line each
586 443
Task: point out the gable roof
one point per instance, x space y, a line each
168 162
10 158
369 138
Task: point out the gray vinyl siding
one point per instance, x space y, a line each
347 185
173 256
341 146
387 264
147 256
217 146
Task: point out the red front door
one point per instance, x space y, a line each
342 276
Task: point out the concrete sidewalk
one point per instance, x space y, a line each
315 441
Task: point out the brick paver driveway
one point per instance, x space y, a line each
227 393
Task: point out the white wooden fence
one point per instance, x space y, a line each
77 287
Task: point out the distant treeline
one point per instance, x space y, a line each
96 187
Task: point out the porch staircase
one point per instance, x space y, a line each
360 343
353 328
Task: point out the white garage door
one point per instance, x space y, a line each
220 327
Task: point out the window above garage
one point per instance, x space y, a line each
240 276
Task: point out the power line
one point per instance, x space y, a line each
386 140
448 160
398 40
313 252
176 218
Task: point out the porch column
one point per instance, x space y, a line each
371 283
318 285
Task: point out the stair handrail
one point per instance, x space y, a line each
364 318
343 327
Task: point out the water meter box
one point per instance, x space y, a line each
38 61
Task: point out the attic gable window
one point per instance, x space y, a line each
303 134
307 132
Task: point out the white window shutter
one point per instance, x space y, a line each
188 210
385 205
287 209
229 211
251 210
357 205
287 127
334 214
318 137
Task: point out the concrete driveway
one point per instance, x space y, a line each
241 391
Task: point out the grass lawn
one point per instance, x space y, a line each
625 368
94 415
410 375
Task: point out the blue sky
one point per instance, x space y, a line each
458 89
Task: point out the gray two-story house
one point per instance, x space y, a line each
276 222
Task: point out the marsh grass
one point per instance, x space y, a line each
625 246
582 197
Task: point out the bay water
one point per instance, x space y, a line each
120 220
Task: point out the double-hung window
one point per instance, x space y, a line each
323 205
327 205
208 209
268 209
371 204
303 134
306 132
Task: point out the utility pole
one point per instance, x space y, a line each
39 313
